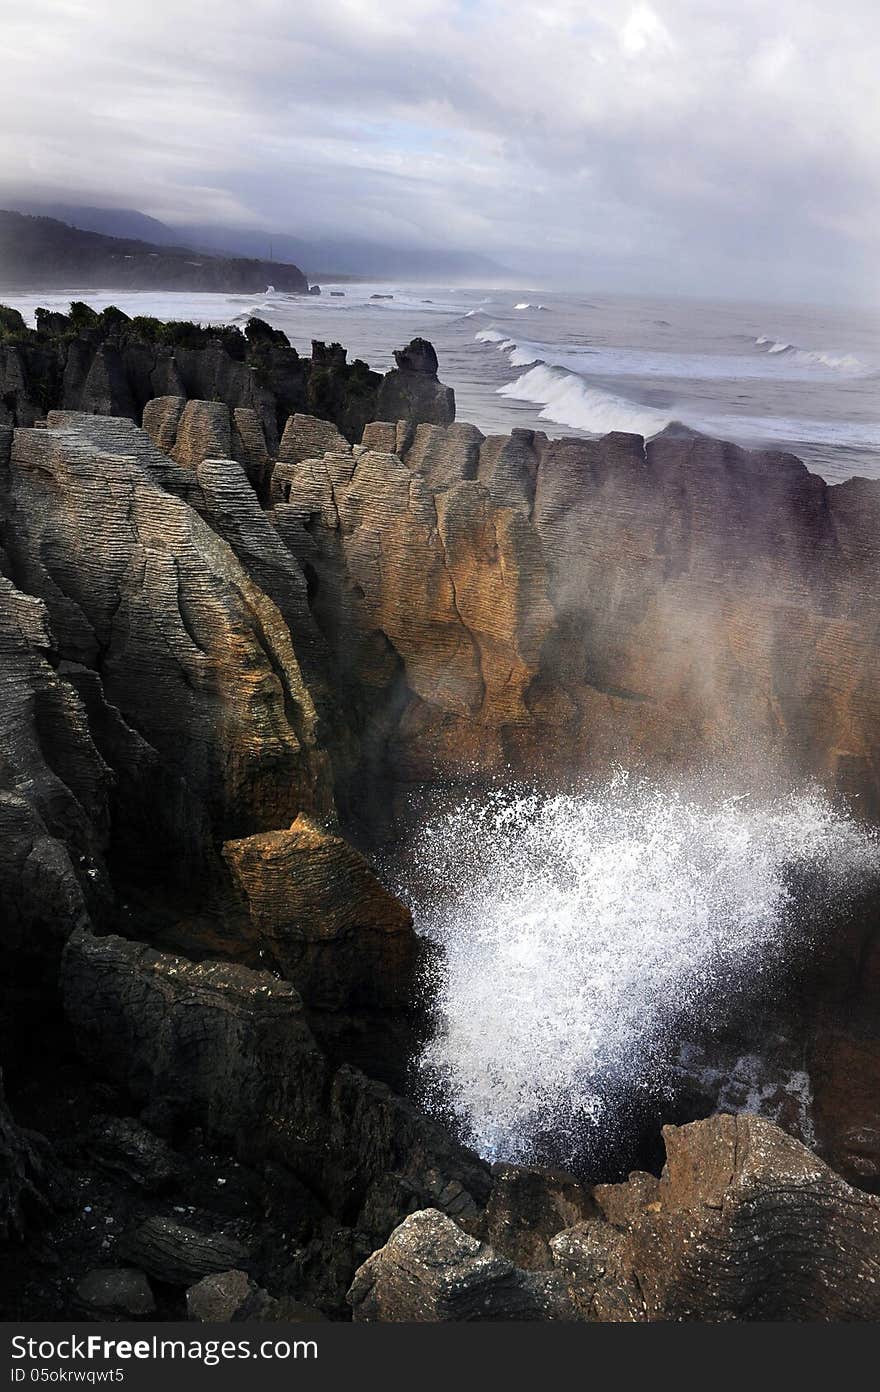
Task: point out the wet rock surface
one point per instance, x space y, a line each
743 1224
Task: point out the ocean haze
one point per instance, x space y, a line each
674 147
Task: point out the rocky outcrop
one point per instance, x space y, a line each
112 365
227 1049
604 601
207 673
324 918
210 1044
527 1207
743 1224
429 1271
412 390
232 1295
203 712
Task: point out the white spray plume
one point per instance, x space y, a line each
580 933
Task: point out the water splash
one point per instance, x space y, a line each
582 933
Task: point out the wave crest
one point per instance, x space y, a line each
567 399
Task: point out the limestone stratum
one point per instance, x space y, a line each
314 703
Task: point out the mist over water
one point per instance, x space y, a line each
583 935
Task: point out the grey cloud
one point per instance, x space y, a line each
684 144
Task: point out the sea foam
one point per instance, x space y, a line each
568 399
581 933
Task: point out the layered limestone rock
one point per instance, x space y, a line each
743 1224
324 918
306 437
54 794
221 1047
203 432
112 365
430 1271
211 1044
196 667
601 600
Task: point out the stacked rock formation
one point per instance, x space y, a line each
112 365
222 650
603 601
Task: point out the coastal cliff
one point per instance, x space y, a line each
43 251
233 642
112 365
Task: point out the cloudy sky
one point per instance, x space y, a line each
725 146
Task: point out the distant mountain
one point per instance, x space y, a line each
326 257
111 222
42 253
319 257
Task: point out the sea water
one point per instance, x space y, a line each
800 378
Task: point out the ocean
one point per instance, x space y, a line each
804 379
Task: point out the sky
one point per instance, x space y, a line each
692 146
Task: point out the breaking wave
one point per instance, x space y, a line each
839 362
567 399
581 933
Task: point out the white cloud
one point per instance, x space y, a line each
694 133
644 31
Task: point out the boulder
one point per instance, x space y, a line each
208 1044
178 1255
429 1270
124 1146
232 1295
744 1224
324 918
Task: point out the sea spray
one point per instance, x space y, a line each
581 934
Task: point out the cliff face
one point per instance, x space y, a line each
43 251
108 364
220 648
600 601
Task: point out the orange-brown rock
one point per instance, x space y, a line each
323 917
598 600
743 1224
